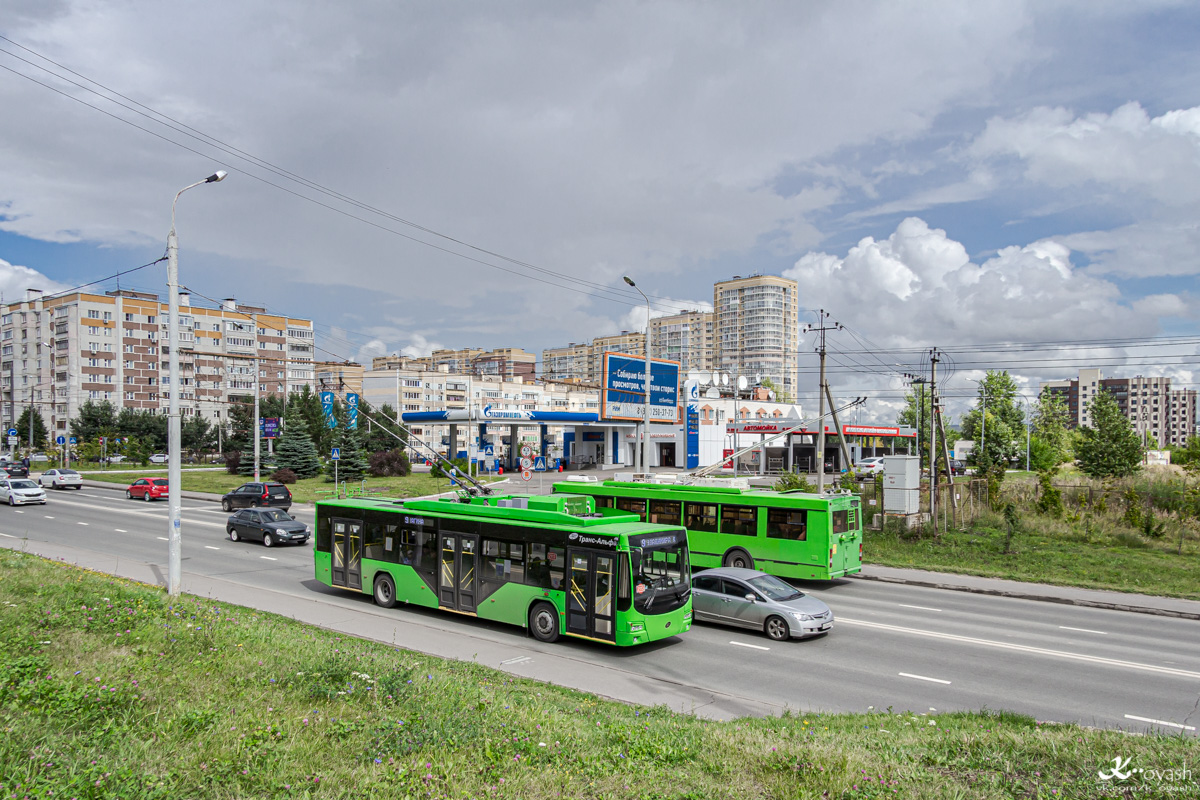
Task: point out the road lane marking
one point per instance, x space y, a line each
81 523
165 539
268 558
1081 630
919 608
47 516
210 547
923 678
1024 648
151 515
1162 722
8 536
120 530
754 646
517 660
18 511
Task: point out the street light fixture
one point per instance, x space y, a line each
174 501
646 424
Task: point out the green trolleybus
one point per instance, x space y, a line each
790 534
555 564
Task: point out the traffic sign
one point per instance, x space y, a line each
539 464
489 451
526 475
74 440
337 454
526 450
526 463
13 441
12 431
61 440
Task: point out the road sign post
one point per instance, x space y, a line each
335 456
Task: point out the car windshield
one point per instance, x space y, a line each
274 516
22 484
774 589
159 481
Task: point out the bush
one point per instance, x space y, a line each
438 470
233 461
793 482
390 463
284 475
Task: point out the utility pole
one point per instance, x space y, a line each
257 388
820 327
933 414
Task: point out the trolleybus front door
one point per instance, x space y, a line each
592 584
346 565
458 576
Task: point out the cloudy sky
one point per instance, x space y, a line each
1014 183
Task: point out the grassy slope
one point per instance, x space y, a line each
107 691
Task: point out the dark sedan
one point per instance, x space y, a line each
267 525
16 470
254 495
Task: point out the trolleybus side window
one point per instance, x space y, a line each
635 505
502 562
841 521
373 535
623 594
701 517
739 520
664 512
545 566
787 523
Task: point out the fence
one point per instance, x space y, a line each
972 499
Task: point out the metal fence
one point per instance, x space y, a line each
971 497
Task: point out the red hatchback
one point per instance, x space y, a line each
147 489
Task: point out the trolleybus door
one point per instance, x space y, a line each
458 576
347 553
592 585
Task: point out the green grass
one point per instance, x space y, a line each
1091 553
303 491
108 689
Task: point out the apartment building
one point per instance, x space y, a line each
339 376
1155 409
59 352
757 329
686 337
631 342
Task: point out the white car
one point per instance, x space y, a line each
158 458
19 491
869 466
61 479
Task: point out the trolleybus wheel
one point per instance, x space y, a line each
543 622
738 558
385 591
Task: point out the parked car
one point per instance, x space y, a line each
16 470
19 491
61 479
147 489
267 525
253 495
158 458
958 467
869 466
747 598
117 459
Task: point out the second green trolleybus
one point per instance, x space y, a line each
556 564
791 534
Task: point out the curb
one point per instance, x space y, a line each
1045 598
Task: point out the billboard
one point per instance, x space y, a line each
625 389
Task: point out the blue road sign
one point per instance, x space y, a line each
489 451
337 454
12 431
539 464
74 440
61 440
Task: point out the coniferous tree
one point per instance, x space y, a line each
1110 447
39 428
295 449
352 465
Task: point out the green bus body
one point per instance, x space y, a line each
790 534
555 564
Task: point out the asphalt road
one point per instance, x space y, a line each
893 646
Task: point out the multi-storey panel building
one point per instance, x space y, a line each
571 364
686 337
1156 410
631 342
59 352
339 376
757 329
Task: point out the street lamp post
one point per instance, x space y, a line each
174 540
646 424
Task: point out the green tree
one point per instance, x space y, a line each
1188 454
94 419
353 464
378 423
780 395
295 449
195 433
917 414
996 419
1110 447
39 429
1051 426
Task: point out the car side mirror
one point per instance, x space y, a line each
752 598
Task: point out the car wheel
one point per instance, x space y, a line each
10 500
385 591
233 534
146 497
738 558
128 495
267 540
254 504
543 622
226 505
777 628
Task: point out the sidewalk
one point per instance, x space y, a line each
1070 595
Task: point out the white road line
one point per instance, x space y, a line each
1024 648
8 536
268 558
1081 630
210 547
922 678
919 608
149 514
81 523
48 516
120 530
165 539
18 511
1162 722
518 660
754 646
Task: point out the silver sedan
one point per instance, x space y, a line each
747 598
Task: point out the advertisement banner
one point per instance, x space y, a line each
624 391
268 427
691 391
352 411
327 407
